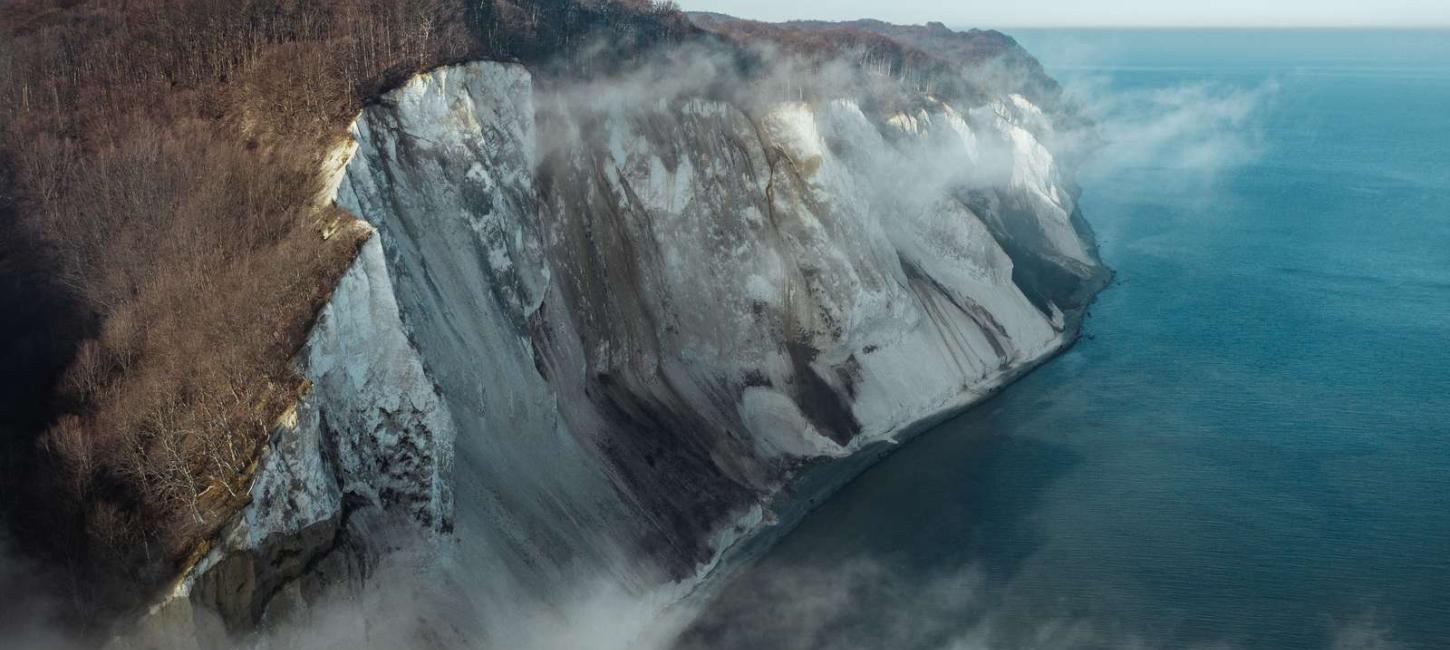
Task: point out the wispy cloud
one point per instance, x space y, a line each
1363 633
865 604
1200 129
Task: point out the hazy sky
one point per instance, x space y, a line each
1017 13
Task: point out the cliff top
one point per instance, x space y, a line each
987 60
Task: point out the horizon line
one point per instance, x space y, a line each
1226 26
1286 26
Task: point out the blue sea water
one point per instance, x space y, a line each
1251 447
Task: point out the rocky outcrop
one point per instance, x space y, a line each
593 343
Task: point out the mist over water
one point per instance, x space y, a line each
1251 447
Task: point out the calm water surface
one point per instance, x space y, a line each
1251 448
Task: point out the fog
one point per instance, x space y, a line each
29 604
868 603
1198 129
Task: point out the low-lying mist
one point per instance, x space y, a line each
871 604
29 612
1199 129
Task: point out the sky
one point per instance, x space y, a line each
1100 13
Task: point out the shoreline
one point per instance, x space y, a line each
821 479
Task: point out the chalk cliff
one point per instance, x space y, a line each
591 344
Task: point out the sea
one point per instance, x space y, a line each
1250 446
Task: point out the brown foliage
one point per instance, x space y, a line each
168 153
164 154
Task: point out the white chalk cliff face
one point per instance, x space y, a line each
588 349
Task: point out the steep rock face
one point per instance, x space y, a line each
645 318
596 341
